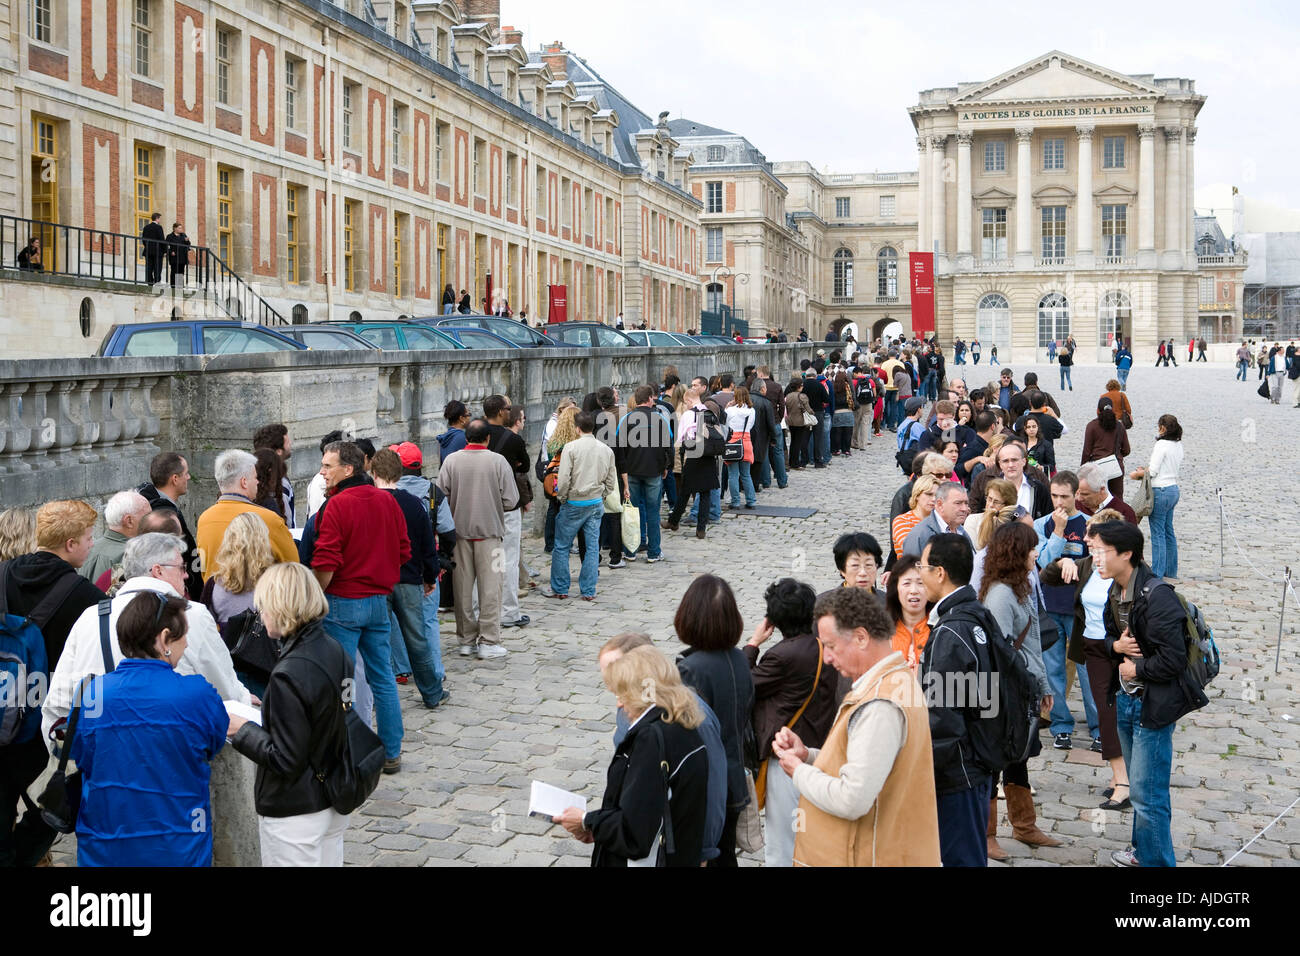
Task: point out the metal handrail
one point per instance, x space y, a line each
83 253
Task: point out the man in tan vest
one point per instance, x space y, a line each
866 797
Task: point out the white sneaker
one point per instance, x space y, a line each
489 651
467 650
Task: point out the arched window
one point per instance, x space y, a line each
993 321
299 316
1205 245
1053 319
843 275
1114 319
887 273
715 291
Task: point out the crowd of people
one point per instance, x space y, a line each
987 541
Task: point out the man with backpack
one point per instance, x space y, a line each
1146 631
1123 365
910 431
866 390
41 597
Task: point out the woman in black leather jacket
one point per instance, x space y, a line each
302 730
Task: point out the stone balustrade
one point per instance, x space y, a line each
87 428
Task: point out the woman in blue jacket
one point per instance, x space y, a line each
144 743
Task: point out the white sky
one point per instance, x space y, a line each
832 86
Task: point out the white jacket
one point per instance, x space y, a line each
206 653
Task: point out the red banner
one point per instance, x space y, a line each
921 269
559 303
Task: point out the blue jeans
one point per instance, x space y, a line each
1056 665
891 401
774 463
822 438
976 357
1164 546
449 309
932 384
568 523
645 493
361 626
738 477
670 490
1122 375
1149 757
1241 370
1066 371
715 506
408 636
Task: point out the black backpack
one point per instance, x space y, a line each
906 455
866 392
1008 697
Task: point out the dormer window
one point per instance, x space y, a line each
716 154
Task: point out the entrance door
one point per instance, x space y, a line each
45 188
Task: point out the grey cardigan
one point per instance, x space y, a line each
1012 616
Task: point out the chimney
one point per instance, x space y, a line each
510 36
553 55
484 11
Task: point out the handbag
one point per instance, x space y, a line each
60 801
809 420
735 451
631 528
355 777
251 649
760 785
749 832
1109 466
1145 502
614 503
1263 390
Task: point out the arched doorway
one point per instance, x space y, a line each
838 326
886 328
993 325
1114 322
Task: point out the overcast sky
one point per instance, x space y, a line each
831 82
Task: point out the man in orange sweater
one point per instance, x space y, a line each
236 474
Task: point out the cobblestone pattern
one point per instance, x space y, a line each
542 712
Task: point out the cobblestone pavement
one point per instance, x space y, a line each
542 712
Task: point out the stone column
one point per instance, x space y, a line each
938 193
1147 197
1083 251
922 196
1173 250
1024 198
1189 184
964 258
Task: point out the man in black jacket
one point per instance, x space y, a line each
818 400
944 429
169 480
1049 425
764 435
643 451
64 534
155 249
955 663
178 254
1146 631
505 442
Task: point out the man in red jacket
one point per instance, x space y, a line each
361 545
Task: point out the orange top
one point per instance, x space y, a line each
1119 401
901 527
911 641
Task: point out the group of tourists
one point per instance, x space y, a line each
1276 365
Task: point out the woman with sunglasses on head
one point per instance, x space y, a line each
144 740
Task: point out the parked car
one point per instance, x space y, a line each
194 337
324 337
657 338
400 336
714 340
587 334
472 337
522 335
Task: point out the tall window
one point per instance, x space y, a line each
291 231
1206 285
480 163
1054 153
347 114
42 21
442 258
713 197
1053 232
1114 318
399 130
225 215
713 244
887 273
993 321
441 133
512 182
290 93
995 156
993 233
1114 230
841 207
223 66
143 187
143 28
349 250
397 257
716 154
843 283
1112 152
888 207
1053 319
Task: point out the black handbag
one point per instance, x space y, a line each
60 801
351 781
1263 390
251 649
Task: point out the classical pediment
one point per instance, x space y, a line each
994 193
1054 192
1114 191
1053 77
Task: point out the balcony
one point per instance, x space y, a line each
886 300
994 265
1105 262
1054 262
841 300
1229 259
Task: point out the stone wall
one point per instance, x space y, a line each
86 428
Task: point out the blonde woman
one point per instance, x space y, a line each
560 431
998 493
921 504
663 716
302 731
245 553
17 533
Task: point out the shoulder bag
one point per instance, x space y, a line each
355 777
251 648
760 784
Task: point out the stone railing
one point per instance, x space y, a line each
87 428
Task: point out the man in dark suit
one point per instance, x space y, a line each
155 249
178 254
766 433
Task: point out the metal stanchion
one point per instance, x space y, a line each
1281 616
1222 546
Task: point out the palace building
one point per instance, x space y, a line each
1057 200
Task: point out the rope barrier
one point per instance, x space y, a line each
1237 544
1262 832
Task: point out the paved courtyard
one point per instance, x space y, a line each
542 712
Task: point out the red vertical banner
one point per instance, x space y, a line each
559 303
921 270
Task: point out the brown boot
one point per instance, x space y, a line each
1020 809
995 851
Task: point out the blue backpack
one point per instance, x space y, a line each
24 667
